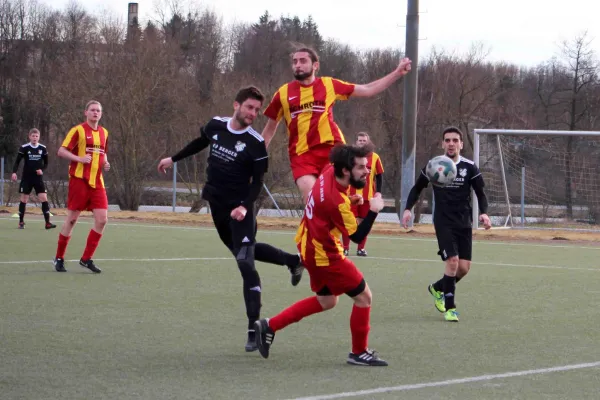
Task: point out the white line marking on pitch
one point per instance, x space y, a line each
472 379
436 262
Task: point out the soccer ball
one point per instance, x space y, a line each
441 171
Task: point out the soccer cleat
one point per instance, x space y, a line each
251 343
50 225
59 265
89 264
451 315
264 336
361 253
369 358
296 272
346 252
438 299
21 225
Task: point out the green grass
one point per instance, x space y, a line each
176 329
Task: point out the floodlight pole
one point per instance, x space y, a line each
409 117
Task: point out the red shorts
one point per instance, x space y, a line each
310 163
361 211
83 197
341 277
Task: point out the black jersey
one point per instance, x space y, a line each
36 157
237 162
453 202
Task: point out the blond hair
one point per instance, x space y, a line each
89 103
34 130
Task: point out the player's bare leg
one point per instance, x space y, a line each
46 210
100 220
305 184
63 239
464 266
359 328
24 199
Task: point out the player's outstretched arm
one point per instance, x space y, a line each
16 166
413 196
378 86
482 201
269 131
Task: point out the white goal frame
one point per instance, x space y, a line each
514 132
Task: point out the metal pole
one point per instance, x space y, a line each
409 117
476 144
504 183
273 200
174 185
522 196
1 181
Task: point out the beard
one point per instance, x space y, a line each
357 183
300 76
242 121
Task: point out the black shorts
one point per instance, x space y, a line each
454 242
234 234
32 183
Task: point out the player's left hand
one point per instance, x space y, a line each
357 200
39 172
165 164
485 220
404 66
239 213
106 165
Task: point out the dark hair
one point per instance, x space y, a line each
250 92
452 129
314 57
344 155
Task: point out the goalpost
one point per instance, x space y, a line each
539 178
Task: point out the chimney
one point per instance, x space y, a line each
132 15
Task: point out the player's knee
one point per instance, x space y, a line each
327 302
464 267
452 263
244 256
362 295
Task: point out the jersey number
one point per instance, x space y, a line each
309 206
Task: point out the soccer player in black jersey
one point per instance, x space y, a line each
452 219
237 163
36 160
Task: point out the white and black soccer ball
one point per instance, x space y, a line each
441 171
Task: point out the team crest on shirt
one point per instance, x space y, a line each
240 146
40 151
462 172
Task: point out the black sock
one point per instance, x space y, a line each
252 287
449 285
46 211
21 211
439 286
272 255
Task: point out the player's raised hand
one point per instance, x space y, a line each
86 159
404 66
239 213
13 177
485 220
406 216
356 199
165 164
376 204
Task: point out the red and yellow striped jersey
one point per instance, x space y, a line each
308 112
376 168
327 216
82 140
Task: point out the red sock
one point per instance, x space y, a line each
91 245
346 242
63 241
295 313
359 328
361 245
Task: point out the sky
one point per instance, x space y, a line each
521 32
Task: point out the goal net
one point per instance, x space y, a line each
540 179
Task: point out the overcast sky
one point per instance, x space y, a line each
524 32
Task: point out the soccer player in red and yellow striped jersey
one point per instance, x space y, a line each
372 188
326 216
306 105
85 146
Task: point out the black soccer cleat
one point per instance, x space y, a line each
296 272
89 264
251 343
369 358
264 336
21 225
59 265
50 225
